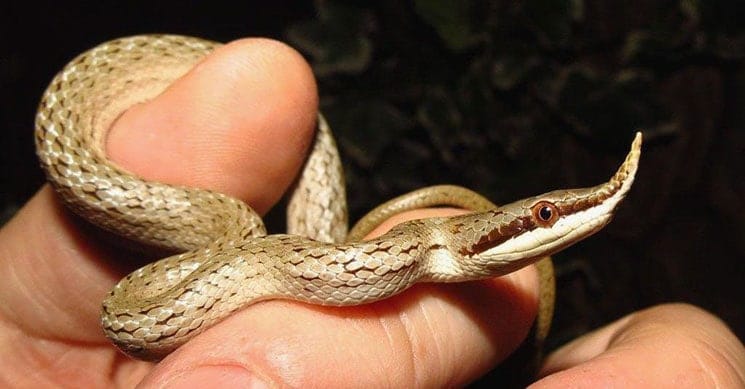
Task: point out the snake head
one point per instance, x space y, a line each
517 234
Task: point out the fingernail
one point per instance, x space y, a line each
218 376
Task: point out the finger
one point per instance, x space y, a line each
432 330
669 345
57 276
239 123
61 259
429 336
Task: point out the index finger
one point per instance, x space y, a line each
429 336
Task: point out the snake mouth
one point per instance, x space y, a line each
545 224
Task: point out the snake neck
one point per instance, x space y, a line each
440 256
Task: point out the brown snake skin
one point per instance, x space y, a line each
228 261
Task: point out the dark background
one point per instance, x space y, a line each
509 98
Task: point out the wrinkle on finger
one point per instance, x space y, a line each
58 280
584 348
671 344
393 326
707 348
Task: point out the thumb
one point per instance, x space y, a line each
192 135
667 345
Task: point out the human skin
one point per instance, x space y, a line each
241 123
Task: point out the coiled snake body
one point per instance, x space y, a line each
228 262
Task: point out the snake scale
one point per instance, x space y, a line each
227 261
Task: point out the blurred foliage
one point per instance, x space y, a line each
513 98
499 82
337 39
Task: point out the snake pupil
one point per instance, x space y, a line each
545 213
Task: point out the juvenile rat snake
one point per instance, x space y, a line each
228 261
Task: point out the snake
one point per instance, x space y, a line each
222 258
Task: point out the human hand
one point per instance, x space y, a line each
240 123
666 346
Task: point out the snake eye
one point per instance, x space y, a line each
545 213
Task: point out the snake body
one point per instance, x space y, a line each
227 261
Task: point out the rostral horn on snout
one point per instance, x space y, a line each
522 232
